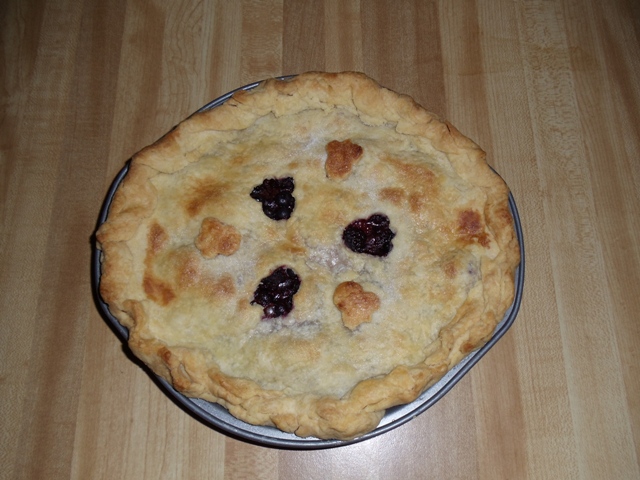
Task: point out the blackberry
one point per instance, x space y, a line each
369 235
275 292
276 197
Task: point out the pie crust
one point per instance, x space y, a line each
185 246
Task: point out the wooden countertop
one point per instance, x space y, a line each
551 90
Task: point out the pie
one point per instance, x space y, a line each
309 253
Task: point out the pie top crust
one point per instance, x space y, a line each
185 246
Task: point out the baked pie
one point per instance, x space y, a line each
310 253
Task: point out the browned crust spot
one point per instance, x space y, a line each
417 201
157 290
157 238
204 193
392 194
450 270
471 228
293 245
416 174
217 238
223 286
191 277
355 304
341 157
421 185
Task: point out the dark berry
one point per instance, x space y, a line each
378 220
355 239
276 197
275 292
369 235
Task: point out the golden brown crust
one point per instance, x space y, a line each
438 295
341 157
216 238
355 305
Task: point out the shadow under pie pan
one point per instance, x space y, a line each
220 419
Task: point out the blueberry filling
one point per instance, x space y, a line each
276 197
369 235
275 292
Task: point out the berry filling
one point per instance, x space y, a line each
369 235
275 292
276 197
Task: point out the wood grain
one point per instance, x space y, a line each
551 90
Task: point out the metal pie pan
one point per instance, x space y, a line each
220 419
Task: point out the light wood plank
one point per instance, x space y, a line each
28 227
585 321
616 196
343 36
550 452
